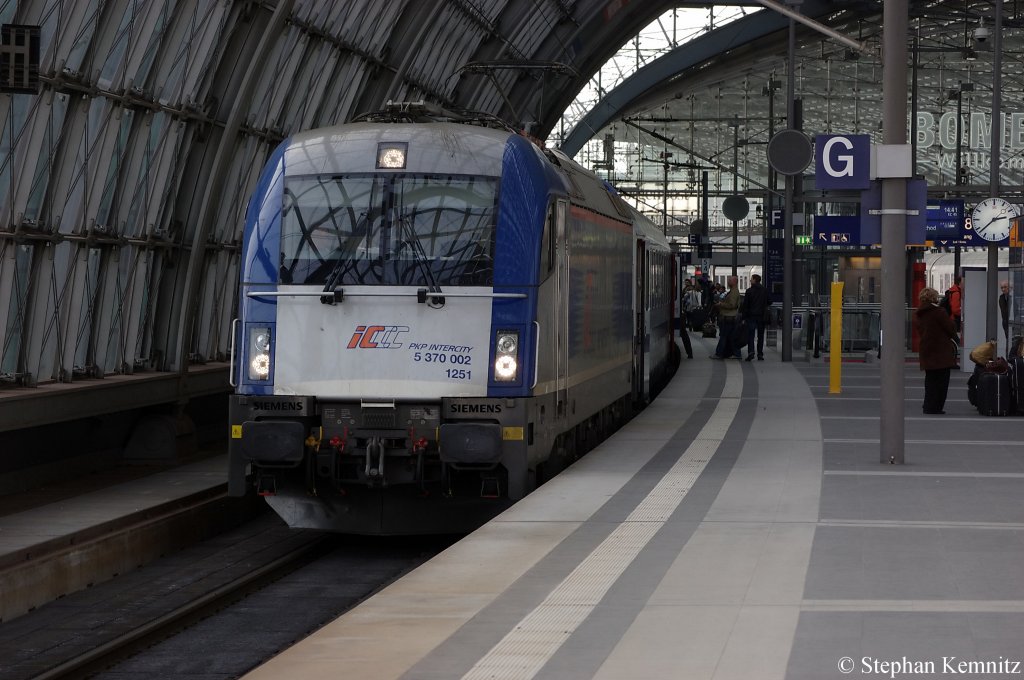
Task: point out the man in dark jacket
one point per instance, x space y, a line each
955 294
1004 311
754 309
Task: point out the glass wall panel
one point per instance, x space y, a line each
17 308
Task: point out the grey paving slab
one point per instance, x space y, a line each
952 457
907 497
906 644
970 430
863 405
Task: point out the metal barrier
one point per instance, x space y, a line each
861 328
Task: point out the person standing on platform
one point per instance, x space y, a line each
754 310
685 321
1004 311
706 290
693 306
937 354
728 307
955 295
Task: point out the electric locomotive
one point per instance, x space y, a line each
435 315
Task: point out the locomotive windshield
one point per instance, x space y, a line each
408 230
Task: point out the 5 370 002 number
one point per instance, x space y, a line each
441 358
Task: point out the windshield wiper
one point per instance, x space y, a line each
422 261
344 263
337 294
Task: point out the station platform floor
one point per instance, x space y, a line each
60 514
66 536
740 527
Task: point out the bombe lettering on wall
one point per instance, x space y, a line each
938 133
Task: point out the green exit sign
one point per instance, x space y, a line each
802 240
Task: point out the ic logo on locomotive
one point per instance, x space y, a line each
376 337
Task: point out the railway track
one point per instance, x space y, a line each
230 588
87 631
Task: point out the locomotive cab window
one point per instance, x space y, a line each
395 229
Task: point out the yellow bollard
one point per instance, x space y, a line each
835 341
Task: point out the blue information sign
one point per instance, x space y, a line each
945 219
774 252
871 224
837 230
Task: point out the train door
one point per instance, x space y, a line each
640 323
562 306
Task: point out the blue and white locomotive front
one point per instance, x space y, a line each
386 333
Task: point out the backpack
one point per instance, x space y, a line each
946 304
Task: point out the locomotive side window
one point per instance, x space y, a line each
396 229
547 245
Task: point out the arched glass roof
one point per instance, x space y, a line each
715 110
124 179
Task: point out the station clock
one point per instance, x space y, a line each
991 218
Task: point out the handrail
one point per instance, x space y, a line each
320 293
231 354
536 353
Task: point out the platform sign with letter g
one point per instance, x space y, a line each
842 161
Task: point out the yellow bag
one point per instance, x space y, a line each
984 353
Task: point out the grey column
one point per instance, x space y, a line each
894 239
787 207
993 324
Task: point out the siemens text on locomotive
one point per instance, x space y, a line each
435 314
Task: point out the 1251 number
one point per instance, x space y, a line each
459 373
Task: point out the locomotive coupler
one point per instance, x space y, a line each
375 475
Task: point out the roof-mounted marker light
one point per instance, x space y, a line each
391 155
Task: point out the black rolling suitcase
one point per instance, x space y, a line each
994 394
697 318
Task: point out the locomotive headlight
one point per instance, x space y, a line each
506 356
259 353
259 367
